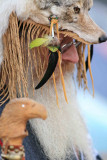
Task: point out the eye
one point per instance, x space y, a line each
76 10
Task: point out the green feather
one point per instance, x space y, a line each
52 48
38 42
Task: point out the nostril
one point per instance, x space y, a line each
102 39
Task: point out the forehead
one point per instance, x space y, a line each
85 3
48 3
67 2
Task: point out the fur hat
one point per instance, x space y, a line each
39 11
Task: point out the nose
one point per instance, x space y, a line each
103 39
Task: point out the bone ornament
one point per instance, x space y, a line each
13 125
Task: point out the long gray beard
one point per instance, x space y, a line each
63 134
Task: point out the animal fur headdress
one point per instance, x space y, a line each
21 21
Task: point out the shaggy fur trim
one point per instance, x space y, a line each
6 8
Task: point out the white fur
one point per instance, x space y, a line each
64 131
6 8
1 51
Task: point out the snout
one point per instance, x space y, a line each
86 29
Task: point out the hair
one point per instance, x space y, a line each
19 59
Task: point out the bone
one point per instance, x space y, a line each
67 46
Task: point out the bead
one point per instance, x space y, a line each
11 147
